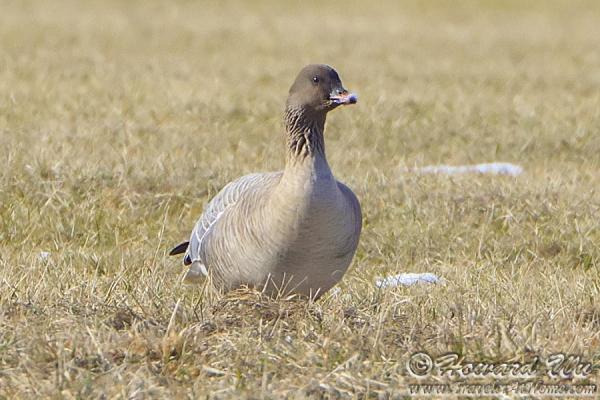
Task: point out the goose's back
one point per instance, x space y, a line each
221 229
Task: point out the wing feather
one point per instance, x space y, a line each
219 206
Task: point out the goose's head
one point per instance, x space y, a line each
318 89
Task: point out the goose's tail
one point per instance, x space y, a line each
180 249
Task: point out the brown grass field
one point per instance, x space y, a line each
119 120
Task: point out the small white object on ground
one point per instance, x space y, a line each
495 168
44 255
407 279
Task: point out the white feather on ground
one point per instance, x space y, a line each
407 279
494 168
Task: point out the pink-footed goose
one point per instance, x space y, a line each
292 231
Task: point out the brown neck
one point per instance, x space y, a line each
304 131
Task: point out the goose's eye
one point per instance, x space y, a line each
315 79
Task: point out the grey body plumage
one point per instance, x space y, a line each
292 231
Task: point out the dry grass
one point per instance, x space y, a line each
119 121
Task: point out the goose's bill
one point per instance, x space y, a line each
342 98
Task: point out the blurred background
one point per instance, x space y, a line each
439 81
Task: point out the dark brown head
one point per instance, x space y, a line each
318 88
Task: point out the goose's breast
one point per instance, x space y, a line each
328 226
319 255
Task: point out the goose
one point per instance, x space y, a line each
288 232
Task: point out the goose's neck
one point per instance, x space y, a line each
304 136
